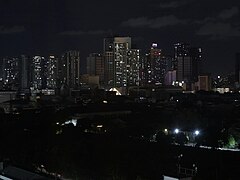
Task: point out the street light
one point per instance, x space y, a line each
176 131
197 132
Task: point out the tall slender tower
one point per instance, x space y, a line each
51 72
133 67
122 45
11 72
237 69
24 65
108 54
37 73
69 69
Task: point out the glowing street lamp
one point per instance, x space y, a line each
197 132
176 131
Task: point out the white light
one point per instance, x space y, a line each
165 130
73 121
105 102
99 126
197 132
154 44
176 131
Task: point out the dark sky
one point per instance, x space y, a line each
53 26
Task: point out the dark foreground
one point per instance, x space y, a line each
35 140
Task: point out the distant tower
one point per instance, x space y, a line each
204 82
188 61
69 69
95 66
24 65
11 72
51 72
109 69
237 69
37 73
122 45
156 66
108 55
133 67
122 63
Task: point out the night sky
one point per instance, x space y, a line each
45 27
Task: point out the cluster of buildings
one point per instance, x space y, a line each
40 74
122 66
119 66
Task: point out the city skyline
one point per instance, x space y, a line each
67 25
119 66
141 89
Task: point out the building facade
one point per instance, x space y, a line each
96 66
38 78
237 70
122 63
69 69
188 63
51 72
10 72
122 45
156 66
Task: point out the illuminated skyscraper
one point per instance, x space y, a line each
156 66
121 62
122 45
51 72
109 68
133 67
11 72
37 73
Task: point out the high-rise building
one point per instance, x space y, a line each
69 69
51 72
37 73
121 62
122 45
11 72
91 64
237 69
108 44
1 69
109 68
133 67
156 66
204 83
24 65
188 63
170 77
95 66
